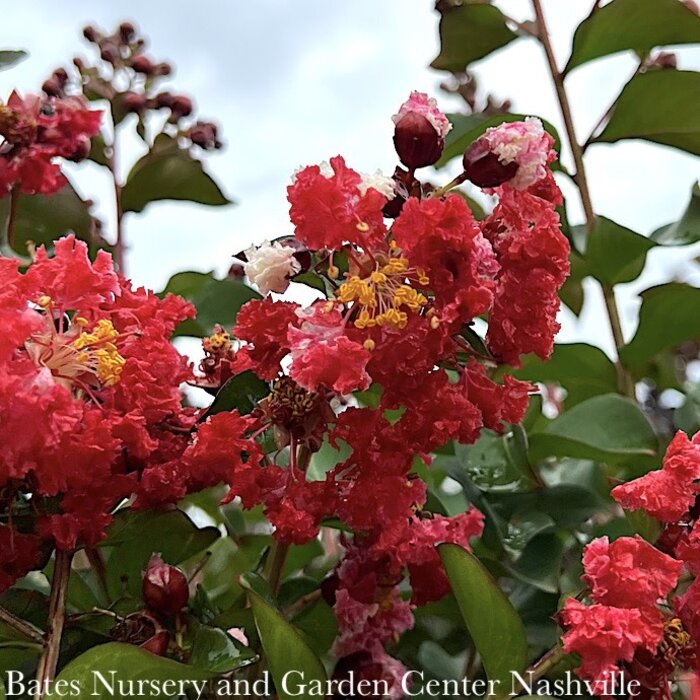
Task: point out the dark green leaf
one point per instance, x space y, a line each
216 651
634 25
669 316
491 465
608 428
286 651
169 172
216 301
646 526
660 106
540 563
572 293
10 57
103 666
583 370
686 230
615 254
170 533
567 504
526 525
493 624
241 393
469 32
467 128
43 218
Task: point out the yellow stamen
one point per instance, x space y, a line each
369 344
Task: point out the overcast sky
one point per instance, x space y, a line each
294 82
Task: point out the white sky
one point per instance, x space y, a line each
294 82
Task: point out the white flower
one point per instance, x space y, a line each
270 265
380 182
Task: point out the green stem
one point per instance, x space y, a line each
440 191
545 664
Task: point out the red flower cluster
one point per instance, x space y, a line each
626 579
90 407
629 579
36 130
396 325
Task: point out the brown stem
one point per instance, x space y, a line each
22 626
565 107
119 245
48 662
626 385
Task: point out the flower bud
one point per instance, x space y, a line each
51 87
162 69
91 33
419 135
164 588
483 166
142 64
126 32
164 100
181 106
513 152
134 102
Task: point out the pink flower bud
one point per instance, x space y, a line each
164 588
483 167
419 136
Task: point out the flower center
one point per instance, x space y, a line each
383 294
76 357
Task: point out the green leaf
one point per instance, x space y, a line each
540 563
495 627
467 128
686 230
216 651
614 254
241 393
583 370
135 535
469 32
103 666
660 106
607 428
572 293
635 25
286 651
669 316
169 172
217 301
10 57
44 218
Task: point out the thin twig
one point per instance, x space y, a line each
22 626
48 662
